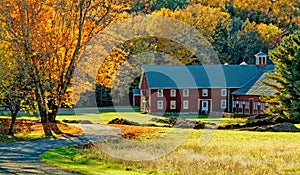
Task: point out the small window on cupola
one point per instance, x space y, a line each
261 59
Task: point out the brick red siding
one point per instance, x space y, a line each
195 99
136 100
144 95
256 106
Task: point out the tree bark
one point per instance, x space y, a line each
12 124
14 111
46 126
52 120
45 123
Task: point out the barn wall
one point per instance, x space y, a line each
255 105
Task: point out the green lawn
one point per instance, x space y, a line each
71 159
105 117
107 114
228 152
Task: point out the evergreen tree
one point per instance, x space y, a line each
221 43
169 4
286 102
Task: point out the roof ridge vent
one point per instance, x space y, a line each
243 63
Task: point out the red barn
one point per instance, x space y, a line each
210 89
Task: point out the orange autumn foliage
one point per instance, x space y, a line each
47 39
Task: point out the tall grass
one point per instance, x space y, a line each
228 152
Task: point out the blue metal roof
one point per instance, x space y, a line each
201 76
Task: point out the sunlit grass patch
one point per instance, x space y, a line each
105 117
80 161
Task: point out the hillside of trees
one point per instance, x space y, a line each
237 31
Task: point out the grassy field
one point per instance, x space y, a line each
107 114
227 152
105 117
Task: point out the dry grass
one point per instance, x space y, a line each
235 152
228 152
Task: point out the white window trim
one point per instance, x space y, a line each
262 108
162 104
204 90
171 93
162 93
225 92
225 104
247 105
240 104
187 104
171 107
187 92
255 106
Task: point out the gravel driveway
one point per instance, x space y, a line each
23 157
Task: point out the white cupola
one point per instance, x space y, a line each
261 59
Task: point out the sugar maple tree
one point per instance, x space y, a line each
15 92
284 13
203 18
47 38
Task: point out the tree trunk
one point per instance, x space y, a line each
12 124
42 107
14 111
46 124
52 120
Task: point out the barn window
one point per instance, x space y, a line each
223 92
262 106
247 105
204 92
223 104
185 104
160 93
255 105
185 92
172 104
173 92
160 104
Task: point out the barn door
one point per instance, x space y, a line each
251 106
204 105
